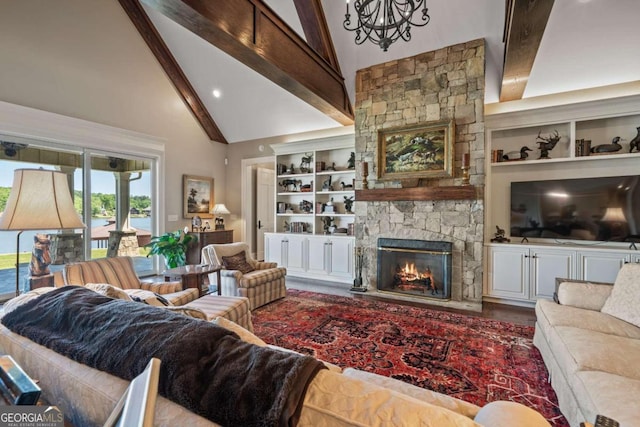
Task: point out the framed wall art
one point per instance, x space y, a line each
197 196
416 151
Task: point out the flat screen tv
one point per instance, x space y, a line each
605 209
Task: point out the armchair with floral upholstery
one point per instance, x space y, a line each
119 272
241 275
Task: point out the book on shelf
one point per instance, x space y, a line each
583 147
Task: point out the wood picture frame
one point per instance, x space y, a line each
197 195
417 151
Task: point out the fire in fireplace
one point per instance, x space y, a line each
415 267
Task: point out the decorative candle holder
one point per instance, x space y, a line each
465 169
365 174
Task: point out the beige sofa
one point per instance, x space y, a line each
334 397
590 342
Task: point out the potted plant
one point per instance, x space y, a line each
172 246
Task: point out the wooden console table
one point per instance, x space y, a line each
206 238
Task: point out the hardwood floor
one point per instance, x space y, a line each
507 313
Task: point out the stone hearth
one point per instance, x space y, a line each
446 84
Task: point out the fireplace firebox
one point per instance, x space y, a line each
415 267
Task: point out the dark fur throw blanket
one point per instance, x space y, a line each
205 368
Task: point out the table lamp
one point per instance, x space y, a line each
39 200
220 209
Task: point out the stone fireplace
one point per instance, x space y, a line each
414 267
438 86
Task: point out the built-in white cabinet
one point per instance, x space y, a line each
328 258
521 274
526 274
601 266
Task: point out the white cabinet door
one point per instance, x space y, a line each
341 260
601 266
546 265
296 253
318 256
274 249
509 272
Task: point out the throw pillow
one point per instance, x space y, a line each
108 291
624 300
148 297
196 313
242 332
16 302
237 262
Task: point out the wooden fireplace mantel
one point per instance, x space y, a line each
455 192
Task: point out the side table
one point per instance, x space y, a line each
192 276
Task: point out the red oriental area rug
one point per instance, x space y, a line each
471 358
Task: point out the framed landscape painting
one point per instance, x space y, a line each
416 151
198 196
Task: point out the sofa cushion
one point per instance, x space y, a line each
330 398
237 262
624 301
460 406
259 277
189 312
578 349
549 314
108 290
589 295
17 301
117 271
607 394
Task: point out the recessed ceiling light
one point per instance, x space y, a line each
216 93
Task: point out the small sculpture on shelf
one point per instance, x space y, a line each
351 163
306 206
326 185
499 236
348 204
328 225
344 186
608 148
547 144
332 167
515 155
292 185
635 142
305 163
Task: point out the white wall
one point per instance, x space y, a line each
85 59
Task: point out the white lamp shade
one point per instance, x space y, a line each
614 215
220 209
40 200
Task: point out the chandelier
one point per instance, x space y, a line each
385 21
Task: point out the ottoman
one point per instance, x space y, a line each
235 309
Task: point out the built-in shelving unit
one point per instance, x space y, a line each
522 271
314 179
314 229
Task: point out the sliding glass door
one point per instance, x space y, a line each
112 192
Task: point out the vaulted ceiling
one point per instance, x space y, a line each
277 65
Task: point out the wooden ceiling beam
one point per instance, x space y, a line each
525 23
316 31
250 32
162 53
